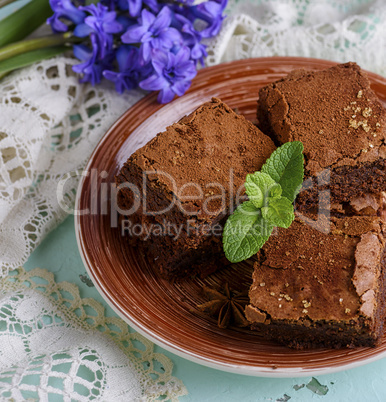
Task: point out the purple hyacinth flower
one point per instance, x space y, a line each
101 22
183 7
91 68
192 38
211 13
115 4
125 21
153 32
66 10
135 6
129 69
172 74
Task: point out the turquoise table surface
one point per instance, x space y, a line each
59 254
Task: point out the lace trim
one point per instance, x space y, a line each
50 125
350 30
33 303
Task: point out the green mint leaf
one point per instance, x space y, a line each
285 166
259 186
275 191
245 232
271 193
279 212
255 194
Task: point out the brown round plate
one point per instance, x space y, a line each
166 312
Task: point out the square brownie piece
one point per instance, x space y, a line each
322 283
182 185
312 289
341 124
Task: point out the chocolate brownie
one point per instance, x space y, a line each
322 281
321 289
341 124
186 181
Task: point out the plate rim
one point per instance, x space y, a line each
258 371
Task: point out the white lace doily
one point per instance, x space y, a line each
55 344
51 123
339 30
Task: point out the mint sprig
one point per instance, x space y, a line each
246 233
271 193
285 166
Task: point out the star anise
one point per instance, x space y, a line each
227 306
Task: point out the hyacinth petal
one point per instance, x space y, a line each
133 59
169 37
134 34
160 56
110 17
95 76
122 56
92 9
185 68
144 70
173 34
182 20
82 30
165 96
129 81
211 13
171 61
91 21
182 55
163 20
158 67
154 83
157 43
160 59
134 7
211 8
57 25
110 75
120 86
65 9
81 52
101 20
186 72
198 51
78 68
212 30
145 52
147 18
120 80
153 5
180 87
112 27
126 57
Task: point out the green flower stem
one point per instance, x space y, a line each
25 59
23 21
25 46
